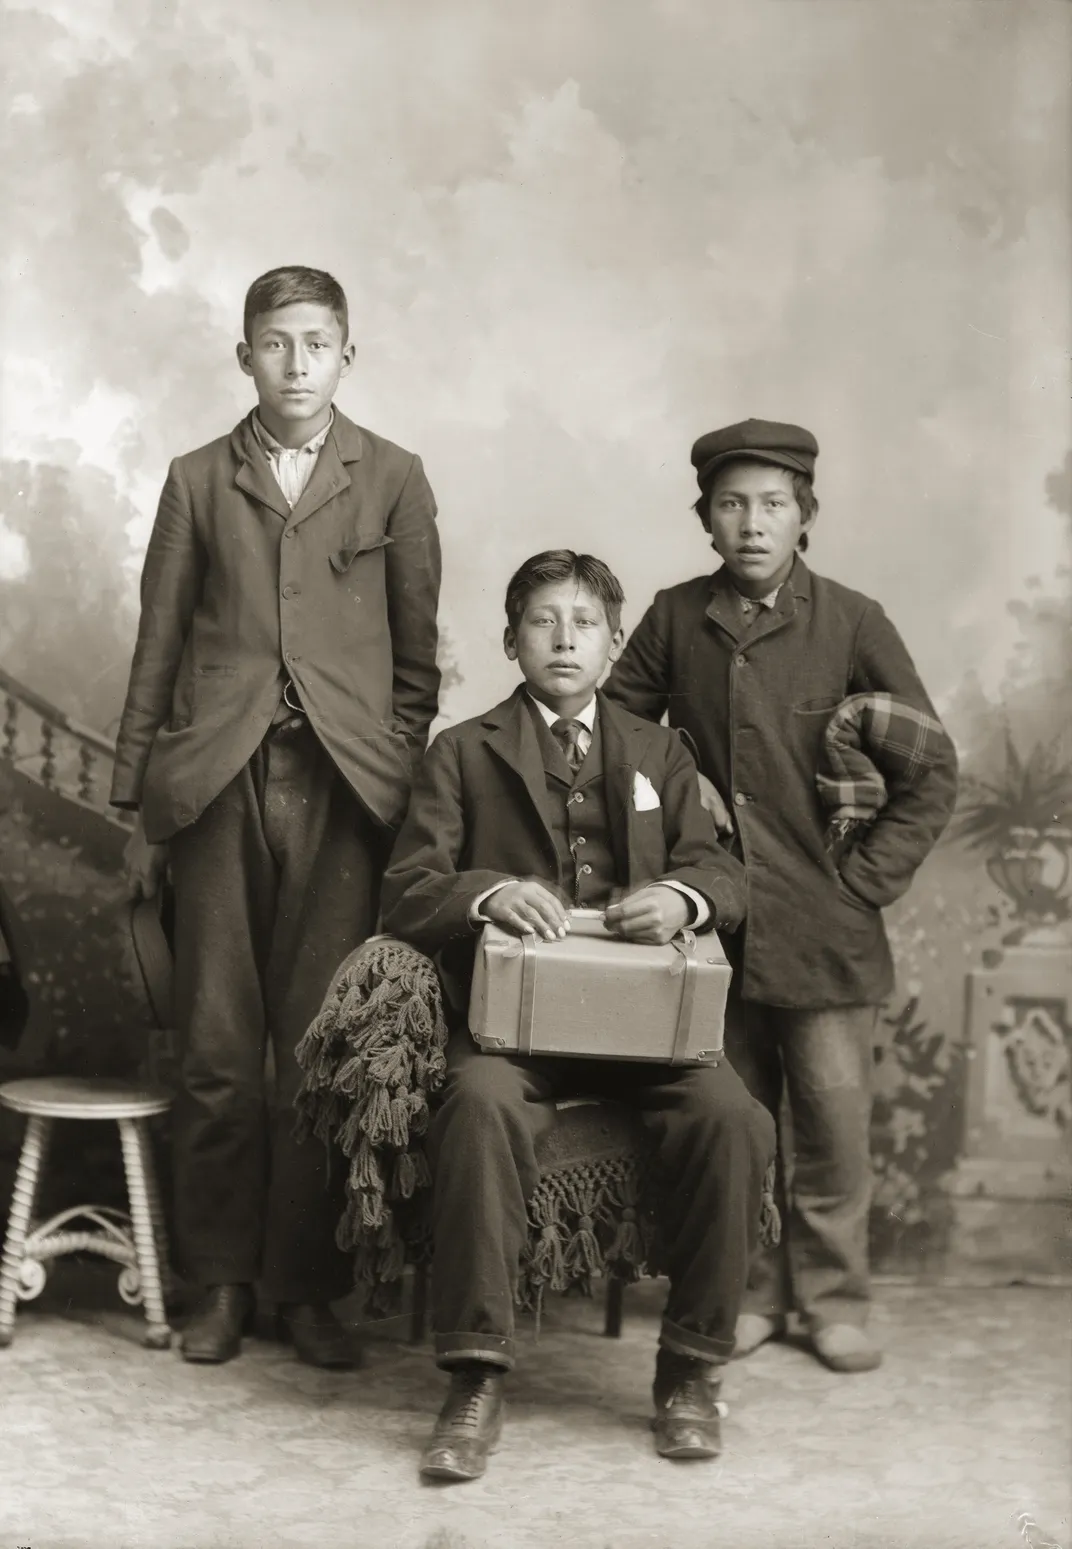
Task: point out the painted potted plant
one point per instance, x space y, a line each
1022 822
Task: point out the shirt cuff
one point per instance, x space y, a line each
698 901
475 915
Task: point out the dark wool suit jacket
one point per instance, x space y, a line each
479 815
239 591
755 702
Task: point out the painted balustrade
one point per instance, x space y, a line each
54 750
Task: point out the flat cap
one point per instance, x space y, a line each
787 446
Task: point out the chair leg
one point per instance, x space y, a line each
137 1164
22 1203
418 1318
612 1322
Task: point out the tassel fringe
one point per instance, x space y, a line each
371 1058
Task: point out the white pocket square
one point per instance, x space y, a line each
645 796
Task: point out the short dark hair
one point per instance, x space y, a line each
803 493
555 565
293 283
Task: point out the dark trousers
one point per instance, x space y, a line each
274 884
821 1060
714 1144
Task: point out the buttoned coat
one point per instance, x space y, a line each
755 700
238 592
480 815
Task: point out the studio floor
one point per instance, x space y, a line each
960 1441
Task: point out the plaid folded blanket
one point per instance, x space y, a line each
873 744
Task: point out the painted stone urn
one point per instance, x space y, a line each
1022 821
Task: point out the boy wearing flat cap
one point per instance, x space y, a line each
751 663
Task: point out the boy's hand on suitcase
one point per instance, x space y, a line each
527 906
653 915
144 864
711 801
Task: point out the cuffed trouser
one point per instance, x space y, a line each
274 884
714 1145
822 1060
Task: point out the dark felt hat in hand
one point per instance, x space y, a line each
787 446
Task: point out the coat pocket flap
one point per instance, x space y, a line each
342 559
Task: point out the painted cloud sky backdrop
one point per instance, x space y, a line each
573 238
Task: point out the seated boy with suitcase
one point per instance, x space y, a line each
557 799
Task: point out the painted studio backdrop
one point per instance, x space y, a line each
573 238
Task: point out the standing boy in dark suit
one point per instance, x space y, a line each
751 663
557 798
283 683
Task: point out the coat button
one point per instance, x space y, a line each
740 660
740 799
292 656
292 591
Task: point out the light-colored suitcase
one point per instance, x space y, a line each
595 996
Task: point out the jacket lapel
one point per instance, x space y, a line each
554 759
331 475
796 588
253 474
724 609
512 738
625 743
329 478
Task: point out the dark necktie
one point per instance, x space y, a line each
568 736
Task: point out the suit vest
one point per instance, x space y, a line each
577 813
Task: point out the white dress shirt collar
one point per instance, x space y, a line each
587 716
270 444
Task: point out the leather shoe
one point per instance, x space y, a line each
469 1424
213 1333
844 1347
318 1337
755 1329
687 1408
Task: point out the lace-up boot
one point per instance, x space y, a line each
687 1407
469 1424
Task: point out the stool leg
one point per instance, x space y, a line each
612 1326
22 1203
135 1161
156 1212
419 1315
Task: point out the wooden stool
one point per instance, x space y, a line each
137 1242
